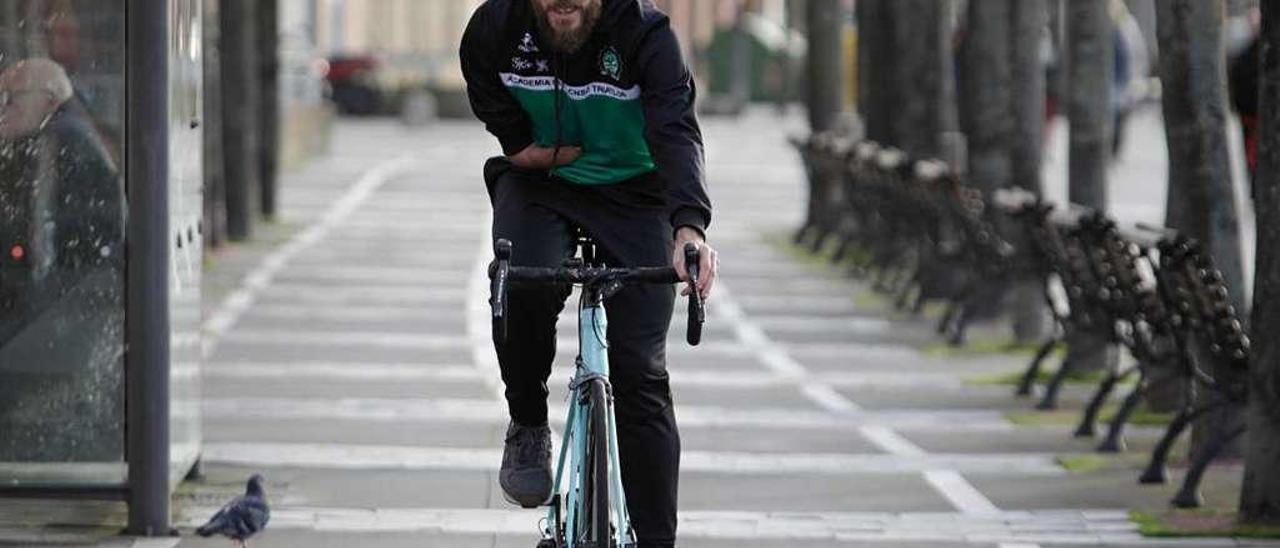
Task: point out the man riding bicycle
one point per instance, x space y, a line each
593 105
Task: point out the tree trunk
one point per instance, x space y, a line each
268 55
1027 33
826 69
921 49
1058 84
240 125
874 55
1201 202
1090 68
989 77
1260 498
1090 65
740 86
955 149
215 190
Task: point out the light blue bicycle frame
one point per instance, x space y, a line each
593 360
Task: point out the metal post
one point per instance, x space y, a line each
147 289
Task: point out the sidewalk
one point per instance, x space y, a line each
353 368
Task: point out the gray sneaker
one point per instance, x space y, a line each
526 465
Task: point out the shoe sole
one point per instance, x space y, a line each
525 503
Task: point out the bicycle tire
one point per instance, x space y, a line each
598 532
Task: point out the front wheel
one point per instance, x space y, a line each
596 530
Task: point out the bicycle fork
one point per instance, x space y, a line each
592 366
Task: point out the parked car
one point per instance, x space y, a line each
355 86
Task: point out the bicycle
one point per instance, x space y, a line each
584 515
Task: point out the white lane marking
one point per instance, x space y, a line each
890 441
235 304
1013 528
693 416
801 324
826 397
775 357
1018 545
949 483
869 351
959 492
395 457
352 372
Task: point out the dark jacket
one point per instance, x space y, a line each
626 97
76 227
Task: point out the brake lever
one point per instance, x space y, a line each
697 314
499 273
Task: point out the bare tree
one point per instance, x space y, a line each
1090 53
874 63
215 190
921 46
268 63
1027 33
826 71
1260 498
1201 203
988 77
240 95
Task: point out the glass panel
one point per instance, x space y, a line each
62 225
186 147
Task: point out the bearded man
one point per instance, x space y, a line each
592 103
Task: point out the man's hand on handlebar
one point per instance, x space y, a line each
540 157
709 262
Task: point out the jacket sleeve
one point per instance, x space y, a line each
490 101
671 128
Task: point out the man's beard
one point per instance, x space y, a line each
568 42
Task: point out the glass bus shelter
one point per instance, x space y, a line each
100 250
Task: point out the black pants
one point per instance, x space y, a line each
628 221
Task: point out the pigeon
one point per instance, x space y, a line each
243 517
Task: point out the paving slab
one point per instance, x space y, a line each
780 440
230 351
311 388
798 493
439 434
1018 440
303 487
1102 489
394 320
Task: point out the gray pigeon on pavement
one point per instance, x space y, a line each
243 517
